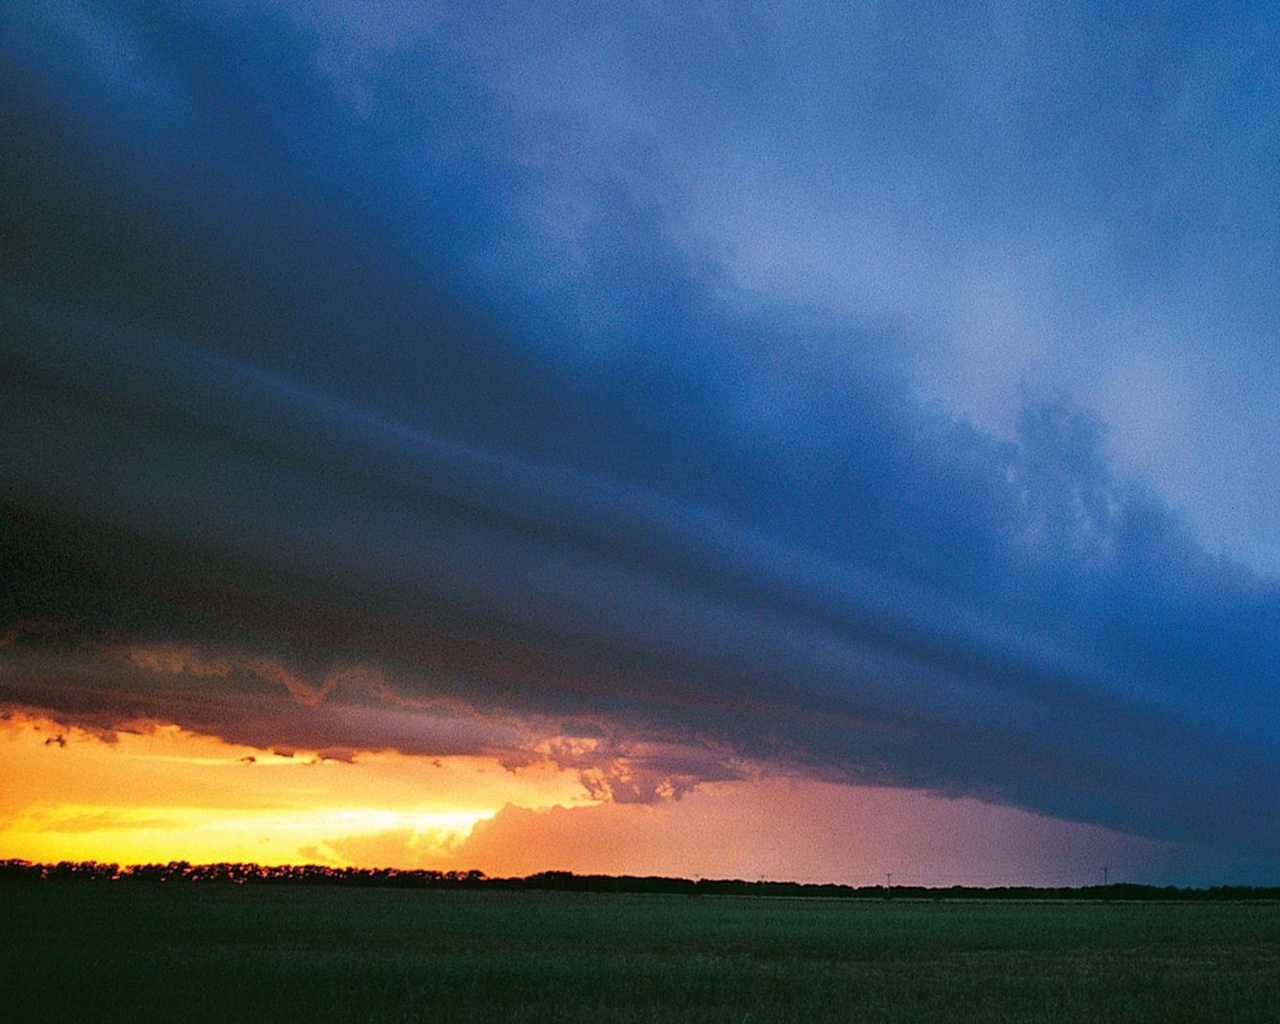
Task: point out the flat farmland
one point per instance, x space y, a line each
210 952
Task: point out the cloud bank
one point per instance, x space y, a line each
358 391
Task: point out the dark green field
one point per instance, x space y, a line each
152 952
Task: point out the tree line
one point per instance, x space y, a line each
233 873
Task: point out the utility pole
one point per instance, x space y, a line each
1106 874
888 885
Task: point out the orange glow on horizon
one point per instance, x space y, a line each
160 793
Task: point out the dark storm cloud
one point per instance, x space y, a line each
373 408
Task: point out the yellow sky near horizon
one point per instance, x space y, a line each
161 793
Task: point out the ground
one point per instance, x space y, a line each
213 952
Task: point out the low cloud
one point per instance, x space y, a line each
792 828
635 771
402 848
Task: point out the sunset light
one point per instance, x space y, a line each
819 442
160 793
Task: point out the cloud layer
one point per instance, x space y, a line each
374 385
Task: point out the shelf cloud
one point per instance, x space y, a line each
402 383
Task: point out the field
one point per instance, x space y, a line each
162 952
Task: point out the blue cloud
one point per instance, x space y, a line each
340 347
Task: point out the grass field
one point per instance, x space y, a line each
254 953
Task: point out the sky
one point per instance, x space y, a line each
793 440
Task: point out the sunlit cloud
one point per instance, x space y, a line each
158 792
